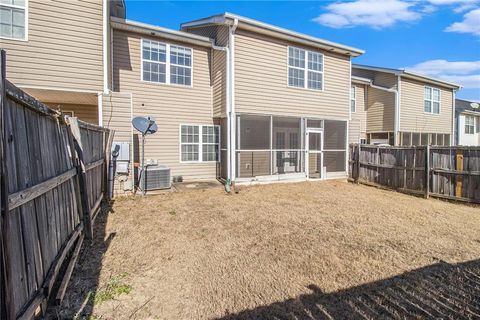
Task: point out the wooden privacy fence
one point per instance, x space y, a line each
444 172
53 178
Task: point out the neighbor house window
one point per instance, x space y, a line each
305 69
431 100
469 124
353 106
165 63
199 143
13 19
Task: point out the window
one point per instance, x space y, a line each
13 19
195 150
353 106
469 124
431 100
305 69
165 63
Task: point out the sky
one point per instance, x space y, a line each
437 38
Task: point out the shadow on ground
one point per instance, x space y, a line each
84 284
440 291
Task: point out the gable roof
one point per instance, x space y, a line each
228 19
408 74
466 106
152 30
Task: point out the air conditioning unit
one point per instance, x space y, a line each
157 177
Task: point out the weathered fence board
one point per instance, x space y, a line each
446 172
42 196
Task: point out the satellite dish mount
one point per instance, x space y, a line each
145 125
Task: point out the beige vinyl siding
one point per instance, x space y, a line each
380 110
412 115
358 124
219 65
261 78
84 112
117 115
64 47
170 105
382 79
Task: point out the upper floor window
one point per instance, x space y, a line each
305 69
469 124
431 102
13 19
165 63
353 106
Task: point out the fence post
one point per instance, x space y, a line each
357 162
459 177
427 171
82 176
5 290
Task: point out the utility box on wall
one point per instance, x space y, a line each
121 156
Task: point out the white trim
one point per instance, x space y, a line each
233 126
266 28
166 63
199 143
452 137
308 151
57 89
100 108
105 46
25 39
399 107
432 100
305 69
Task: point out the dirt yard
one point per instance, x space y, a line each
284 251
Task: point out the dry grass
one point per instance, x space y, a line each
203 254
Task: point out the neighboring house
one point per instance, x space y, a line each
405 108
467 114
57 52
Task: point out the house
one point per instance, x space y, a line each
467 115
404 108
57 52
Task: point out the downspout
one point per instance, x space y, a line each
452 138
228 108
396 107
231 115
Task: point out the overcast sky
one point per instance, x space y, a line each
439 38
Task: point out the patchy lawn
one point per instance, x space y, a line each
284 251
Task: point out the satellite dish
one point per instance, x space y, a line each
146 125
474 105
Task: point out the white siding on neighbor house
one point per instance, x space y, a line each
412 115
358 123
64 47
170 105
465 139
261 78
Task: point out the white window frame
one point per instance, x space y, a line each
305 69
472 125
353 98
199 143
25 8
432 100
167 65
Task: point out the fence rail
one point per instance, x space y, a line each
443 172
53 171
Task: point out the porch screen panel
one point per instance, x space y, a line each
335 146
253 146
287 145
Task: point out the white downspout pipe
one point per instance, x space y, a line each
395 124
452 137
398 109
228 106
231 115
